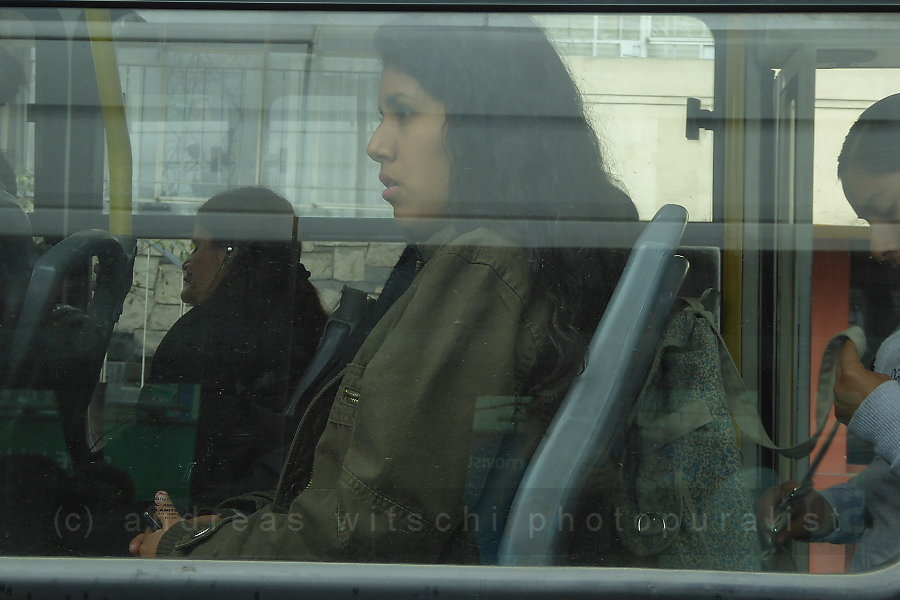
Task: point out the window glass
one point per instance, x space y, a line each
209 134
18 133
334 282
842 95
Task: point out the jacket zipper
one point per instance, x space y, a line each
353 400
351 396
295 442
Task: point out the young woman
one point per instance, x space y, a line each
484 150
867 508
255 322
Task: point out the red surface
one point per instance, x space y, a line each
830 315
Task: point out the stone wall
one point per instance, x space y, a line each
362 265
155 293
154 301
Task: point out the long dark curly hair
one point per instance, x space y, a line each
520 145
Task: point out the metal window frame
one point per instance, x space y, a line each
153 579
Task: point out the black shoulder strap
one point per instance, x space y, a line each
349 326
397 283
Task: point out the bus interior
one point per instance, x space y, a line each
118 120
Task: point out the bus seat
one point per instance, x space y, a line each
62 347
591 417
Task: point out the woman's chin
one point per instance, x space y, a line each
418 228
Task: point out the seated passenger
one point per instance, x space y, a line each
867 508
246 341
479 124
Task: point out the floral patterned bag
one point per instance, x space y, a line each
681 502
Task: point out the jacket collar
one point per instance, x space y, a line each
440 238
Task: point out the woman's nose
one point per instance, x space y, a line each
379 146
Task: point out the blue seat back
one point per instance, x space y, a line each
585 429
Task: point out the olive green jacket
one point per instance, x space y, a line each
390 470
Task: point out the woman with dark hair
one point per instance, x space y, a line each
485 153
519 145
866 509
255 322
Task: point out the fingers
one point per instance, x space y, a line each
149 542
134 546
796 530
793 529
770 499
165 510
145 544
850 355
854 383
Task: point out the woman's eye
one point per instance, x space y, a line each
404 112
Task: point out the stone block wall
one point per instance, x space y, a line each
362 265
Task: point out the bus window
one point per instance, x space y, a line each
319 285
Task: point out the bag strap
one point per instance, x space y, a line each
740 402
656 431
743 408
664 342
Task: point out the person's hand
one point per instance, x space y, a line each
854 383
766 507
810 514
145 544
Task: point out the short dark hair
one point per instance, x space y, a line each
873 142
259 267
261 272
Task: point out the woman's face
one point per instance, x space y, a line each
204 269
876 198
409 145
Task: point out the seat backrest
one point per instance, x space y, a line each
62 347
114 274
584 431
342 322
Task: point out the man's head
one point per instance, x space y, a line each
869 169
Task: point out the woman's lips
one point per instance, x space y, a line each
390 187
389 193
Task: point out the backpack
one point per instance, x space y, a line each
681 502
